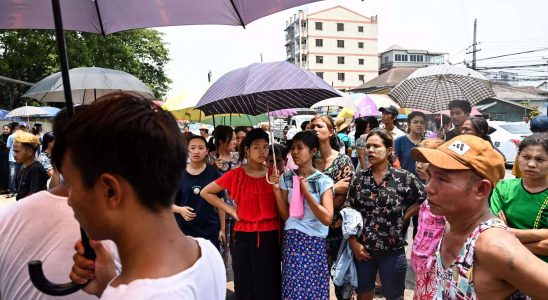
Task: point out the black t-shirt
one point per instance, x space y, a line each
32 179
206 224
451 134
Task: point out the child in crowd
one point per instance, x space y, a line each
304 257
195 216
256 253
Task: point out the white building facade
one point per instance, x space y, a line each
397 56
337 44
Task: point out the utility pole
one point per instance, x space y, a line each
474 49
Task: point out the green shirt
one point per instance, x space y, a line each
520 206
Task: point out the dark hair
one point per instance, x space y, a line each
464 105
536 139
278 150
46 139
14 125
222 134
102 138
240 128
335 142
303 125
194 137
444 120
415 114
387 141
481 127
309 138
253 135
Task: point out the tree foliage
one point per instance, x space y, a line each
31 55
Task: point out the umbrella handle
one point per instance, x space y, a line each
58 289
268 180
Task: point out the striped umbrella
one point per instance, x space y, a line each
432 88
264 87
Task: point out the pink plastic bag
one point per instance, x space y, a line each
296 203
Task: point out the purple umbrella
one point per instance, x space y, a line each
263 87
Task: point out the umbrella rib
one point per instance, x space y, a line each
99 16
237 13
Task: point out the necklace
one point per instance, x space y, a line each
540 213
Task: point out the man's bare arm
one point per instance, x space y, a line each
505 258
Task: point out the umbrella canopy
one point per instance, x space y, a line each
3 113
52 111
344 102
107 16
432 88
182 105
369 104
263 87
27 112
87 84
235 119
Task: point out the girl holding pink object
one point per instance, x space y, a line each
305 273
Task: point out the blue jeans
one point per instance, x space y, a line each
392 266
14 169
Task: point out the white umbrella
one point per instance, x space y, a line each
27 112
345 102
87 84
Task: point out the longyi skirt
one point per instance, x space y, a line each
305 274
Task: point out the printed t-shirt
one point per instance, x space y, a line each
255 201
206 279
521 208
206 224
318 183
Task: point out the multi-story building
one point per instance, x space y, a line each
397 56
338 44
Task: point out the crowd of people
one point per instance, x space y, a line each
325 205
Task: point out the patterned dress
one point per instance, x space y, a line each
455 282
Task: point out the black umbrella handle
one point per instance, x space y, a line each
58 289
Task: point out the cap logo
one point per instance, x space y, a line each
459 147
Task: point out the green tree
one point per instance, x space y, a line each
31 55
534 109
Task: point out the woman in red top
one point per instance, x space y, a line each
256 257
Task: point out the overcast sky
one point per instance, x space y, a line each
504 26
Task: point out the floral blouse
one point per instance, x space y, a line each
341 168
383 206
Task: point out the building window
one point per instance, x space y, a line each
319 59
340 26
361 78
415 58
401 57
360 45
319 26
319 42
360 28
303 41
360 61
340 43
303 24
303 57
340 60
340 76
320 74
386 59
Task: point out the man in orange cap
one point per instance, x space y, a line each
478 256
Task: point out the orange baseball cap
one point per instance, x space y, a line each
465 152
